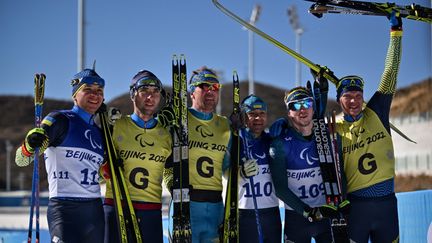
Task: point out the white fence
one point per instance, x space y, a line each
410 157
414 164
421 117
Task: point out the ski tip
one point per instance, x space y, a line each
235 76
318 15
182 59
308 85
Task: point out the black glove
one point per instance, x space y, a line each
395 21
236 121
319 77
344 207
36 138
318 213
166 116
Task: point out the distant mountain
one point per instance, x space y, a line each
17 116
413 100
271 95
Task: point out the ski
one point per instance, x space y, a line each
413 11
126 217
329 163
315 67
339 225
231 224
39 91
181 197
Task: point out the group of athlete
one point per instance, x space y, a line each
283 163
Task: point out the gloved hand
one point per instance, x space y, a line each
344 207
105 171
278 127
166 116
112 114
249 168
319 77
36 138
318 213
395 21
236 121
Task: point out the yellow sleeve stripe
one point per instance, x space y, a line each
46 122
396 33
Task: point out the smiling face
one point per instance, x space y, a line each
256 121
89 98
302 119
351 102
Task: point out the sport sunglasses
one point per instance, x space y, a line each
298 104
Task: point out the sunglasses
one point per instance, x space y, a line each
296 105
206 86
147 82
351 81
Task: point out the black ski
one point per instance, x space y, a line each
329 163
181 215
127 222
231 223
413 11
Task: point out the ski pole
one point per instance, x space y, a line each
252 184
39 90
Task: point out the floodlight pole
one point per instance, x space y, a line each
253 19
298 30
81 36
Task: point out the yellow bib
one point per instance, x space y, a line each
208 142
144 152
367 150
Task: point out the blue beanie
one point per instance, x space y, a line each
349 83
297 93
87 76
253 102
202 75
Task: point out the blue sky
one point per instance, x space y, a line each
126 36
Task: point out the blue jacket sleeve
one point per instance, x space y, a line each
279 177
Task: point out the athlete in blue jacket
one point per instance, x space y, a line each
73 151
296 173
255 163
